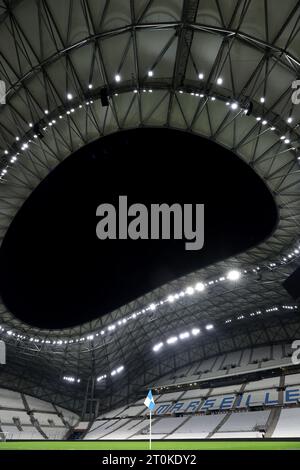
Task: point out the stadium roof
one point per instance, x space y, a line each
197 66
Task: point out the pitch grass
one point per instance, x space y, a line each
156 445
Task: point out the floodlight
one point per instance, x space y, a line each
233 275
172 340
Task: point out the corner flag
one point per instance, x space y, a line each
149 402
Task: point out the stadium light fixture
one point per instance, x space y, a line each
172 340
184 335
69 96
234 105
190 290
233 275
118 77
219 81
199 287
90 86
201 76
196 331
150 73
171 298
157 347
262 99
209 327
289 120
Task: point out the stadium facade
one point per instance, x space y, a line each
223 71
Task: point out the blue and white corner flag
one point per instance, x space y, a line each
149 402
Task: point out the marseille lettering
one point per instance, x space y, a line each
224 402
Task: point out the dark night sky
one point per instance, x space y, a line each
55 272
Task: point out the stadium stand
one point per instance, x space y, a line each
248 409
288 424
24 417
238 362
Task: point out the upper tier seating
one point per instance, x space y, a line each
10 399
232 363
36 404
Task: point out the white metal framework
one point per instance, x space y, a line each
194 65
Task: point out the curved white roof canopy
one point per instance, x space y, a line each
202 57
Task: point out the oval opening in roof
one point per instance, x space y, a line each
55 272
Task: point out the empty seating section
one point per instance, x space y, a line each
232 363
105 427
169 397
55 433
28 432
293 379
197 393
237 435
262 384
261 354
133 411
113 413
38 405
277 352
246 421
232 359
288 424
198 426
68 416
10 399
7 416
167 425
130 429
32 418
46 419
225 390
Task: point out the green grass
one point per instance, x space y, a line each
156 445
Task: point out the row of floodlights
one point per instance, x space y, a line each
260 312
182 336
234 105
113 373
71 379
233 275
